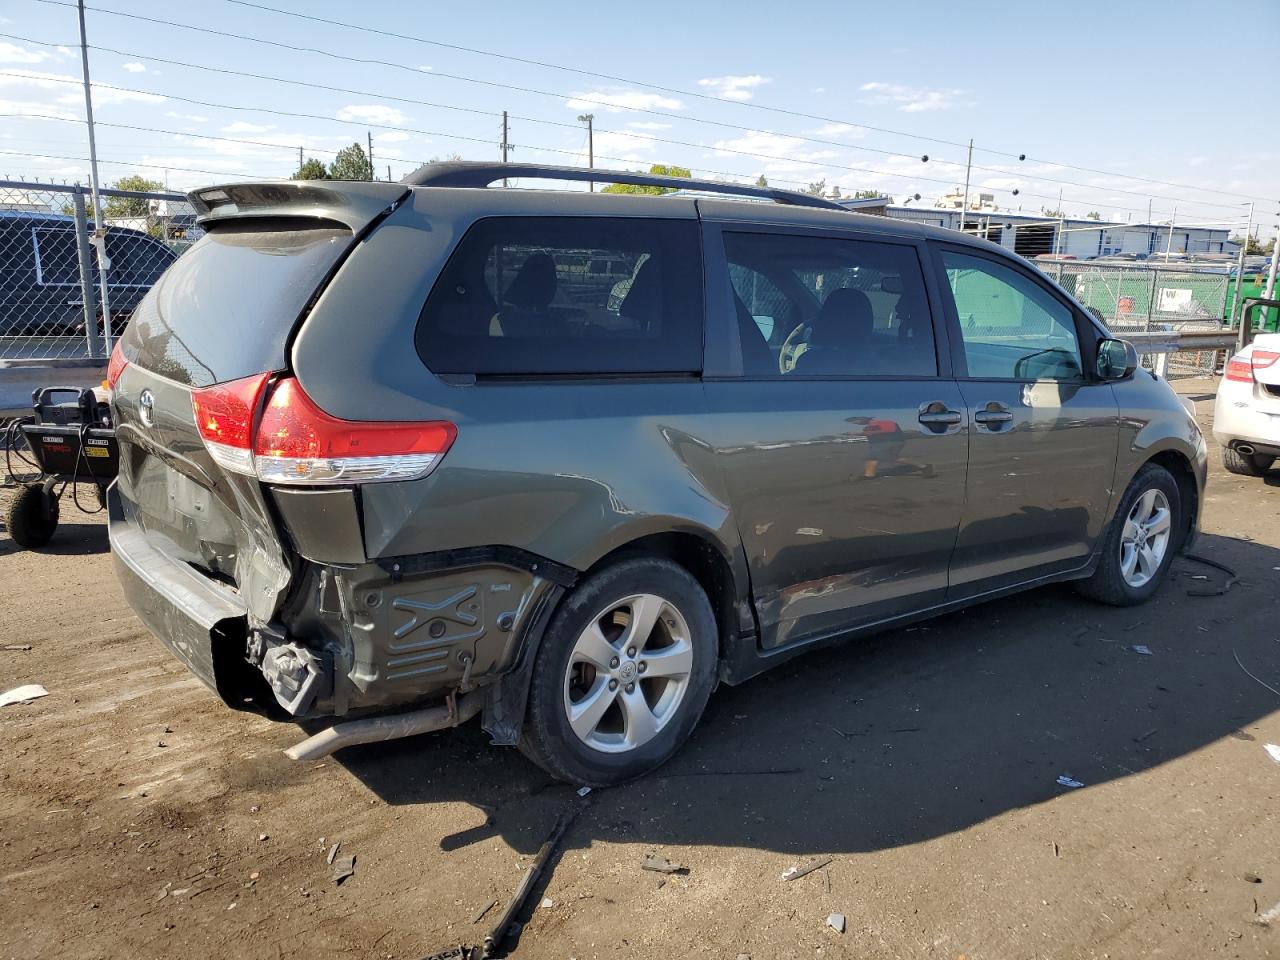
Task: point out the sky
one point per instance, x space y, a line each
1100 98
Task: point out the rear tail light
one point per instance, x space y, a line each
1241 368
298 443
115 366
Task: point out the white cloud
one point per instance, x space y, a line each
620 100
134 67
734 87
378 113
392 136
31 108
64 51
634 147
909 99
772 146
12 53
106 96
241 127
189 117
847 130
648 125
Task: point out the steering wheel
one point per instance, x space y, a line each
793 348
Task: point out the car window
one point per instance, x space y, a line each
819 306
136 261
530 296
57 259
1012 328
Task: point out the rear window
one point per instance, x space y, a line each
226 307
548 296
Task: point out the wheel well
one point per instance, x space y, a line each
704 562
1180 468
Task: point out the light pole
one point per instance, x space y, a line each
99 227
1244 247
589 120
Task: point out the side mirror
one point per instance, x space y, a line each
1117 359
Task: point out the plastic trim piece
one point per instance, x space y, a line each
399 567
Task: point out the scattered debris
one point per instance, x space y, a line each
1250 878
1231 581
1056 849
662 865
255 808
255 875
1270 917
1142 648
1250 674
263 837
583 791
479 914
333 852
1067 781
836 922
344 868
1241 735
1150 733
796 872
16 647
547 903
1273 751
24 694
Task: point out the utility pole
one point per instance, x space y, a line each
1235 302
1057 239
369 140
1269 292
99 226
968 167
504 142
388 173
299 159
1168 246
589 120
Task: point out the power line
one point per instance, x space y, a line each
649 85
532 90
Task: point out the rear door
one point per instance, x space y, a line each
837 426
1042 447
221 313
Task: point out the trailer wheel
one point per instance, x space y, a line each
32 516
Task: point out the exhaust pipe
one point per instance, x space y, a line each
391 727
1245 448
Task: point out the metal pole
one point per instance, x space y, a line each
300 161
1057 239
388 173
83 252
99 225
1168 246
964 203
589 120
1235 299
1271 273
504 144
369 140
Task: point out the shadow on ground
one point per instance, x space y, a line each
912 734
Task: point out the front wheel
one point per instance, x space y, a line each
32 516
623 674
1138 546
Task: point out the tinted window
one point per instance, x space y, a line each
226 307
567 295
1012 327
58 261
815 306
136 261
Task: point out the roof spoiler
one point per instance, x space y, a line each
354 204
464 173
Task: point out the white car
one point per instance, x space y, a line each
1246 415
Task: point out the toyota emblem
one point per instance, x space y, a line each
146 407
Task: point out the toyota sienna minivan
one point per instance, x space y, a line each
393 455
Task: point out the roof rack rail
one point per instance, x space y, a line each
470 173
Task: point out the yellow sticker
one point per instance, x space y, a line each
97 452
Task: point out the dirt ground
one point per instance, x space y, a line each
141 818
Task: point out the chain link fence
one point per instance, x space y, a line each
51 291
1136 298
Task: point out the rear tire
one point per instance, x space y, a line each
1246 465
1121 578
600 715
32 517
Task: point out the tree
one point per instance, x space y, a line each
658 169
817 189
1055 214
119 208
1093 215
761 182
1252 247
351 163
313 169
867 195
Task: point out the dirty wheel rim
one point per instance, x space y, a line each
1146 538
628 673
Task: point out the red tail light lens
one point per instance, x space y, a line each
1263 358
299 443
224 417
1239 369
115 366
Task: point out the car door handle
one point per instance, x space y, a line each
937 414
993 413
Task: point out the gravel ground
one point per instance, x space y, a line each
140 818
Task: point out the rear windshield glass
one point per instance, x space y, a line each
529 296
225 308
